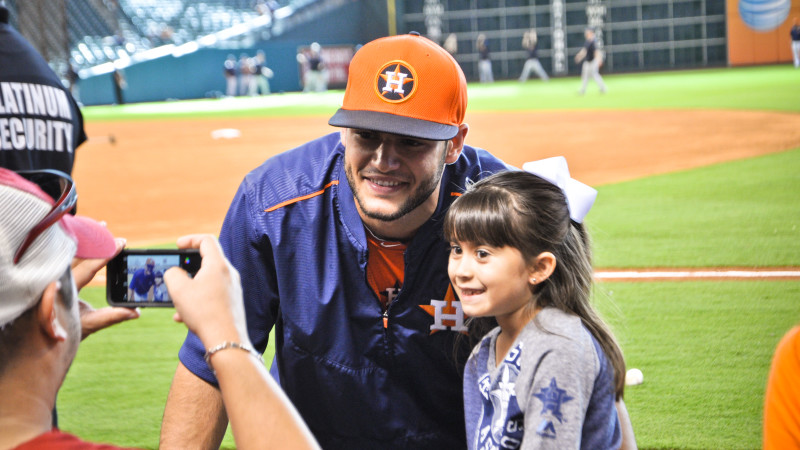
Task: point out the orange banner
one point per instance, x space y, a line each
758 31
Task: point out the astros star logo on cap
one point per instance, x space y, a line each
396 82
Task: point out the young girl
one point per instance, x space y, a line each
549 374
160 293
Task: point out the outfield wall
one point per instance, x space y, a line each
636 35
198 75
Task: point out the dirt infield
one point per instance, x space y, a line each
156 180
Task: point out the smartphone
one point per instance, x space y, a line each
135 278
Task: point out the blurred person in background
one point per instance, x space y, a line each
530 42
315 76
120 83
245 73
229 70
72 77
590 59
484 60
794 33
262 74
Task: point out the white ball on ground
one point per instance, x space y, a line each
634 377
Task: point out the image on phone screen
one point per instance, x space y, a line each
136 277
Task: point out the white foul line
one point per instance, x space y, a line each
611 275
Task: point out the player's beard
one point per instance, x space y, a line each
417 198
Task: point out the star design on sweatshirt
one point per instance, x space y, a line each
553 397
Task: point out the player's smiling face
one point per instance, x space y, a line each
391 175
490 281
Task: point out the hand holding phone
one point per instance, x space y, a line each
210 303
93 320
135 277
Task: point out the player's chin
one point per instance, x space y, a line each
386 213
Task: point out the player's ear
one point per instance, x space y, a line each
456 144
343 136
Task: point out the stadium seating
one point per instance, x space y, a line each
103 31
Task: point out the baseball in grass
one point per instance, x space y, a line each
634 377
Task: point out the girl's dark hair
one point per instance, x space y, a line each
521 210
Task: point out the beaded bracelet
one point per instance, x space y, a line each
226 345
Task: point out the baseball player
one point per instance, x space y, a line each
140 288
229 70
338 243
245 73
795 34
530 42
314 78
34 136
484 60
120 84
260 81
590 59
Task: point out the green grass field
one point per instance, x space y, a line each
704 347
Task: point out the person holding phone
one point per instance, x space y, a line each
211 305
46 255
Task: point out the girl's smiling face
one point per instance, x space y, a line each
491 281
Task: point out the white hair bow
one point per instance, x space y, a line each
580 197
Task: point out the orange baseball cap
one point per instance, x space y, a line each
405 85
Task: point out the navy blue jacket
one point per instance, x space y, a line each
295 236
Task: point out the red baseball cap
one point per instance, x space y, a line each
405 85
22 206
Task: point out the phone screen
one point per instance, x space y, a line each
135 278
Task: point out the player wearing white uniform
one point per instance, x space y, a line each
590 59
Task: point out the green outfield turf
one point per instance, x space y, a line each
741 213
704 347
